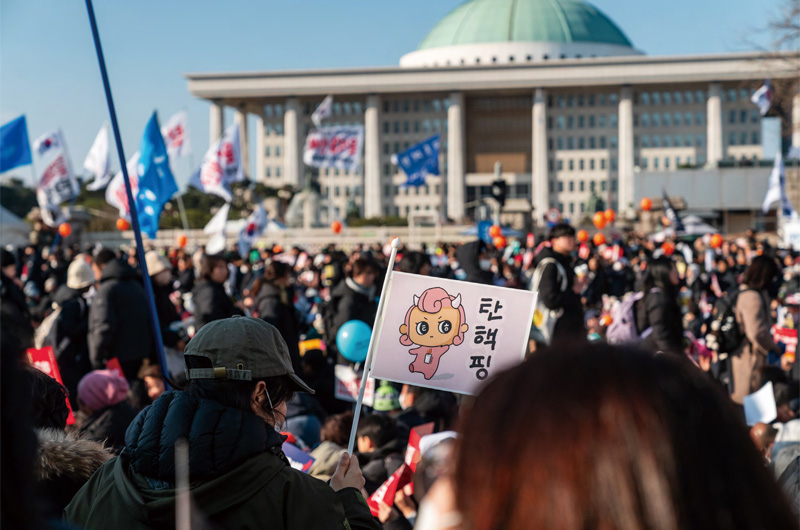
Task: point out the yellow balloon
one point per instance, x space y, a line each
537 318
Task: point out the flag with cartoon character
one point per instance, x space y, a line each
449 335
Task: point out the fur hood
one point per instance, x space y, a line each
68 456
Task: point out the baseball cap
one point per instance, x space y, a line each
242 348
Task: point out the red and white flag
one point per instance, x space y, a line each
222 164
115 192
176 135
56 182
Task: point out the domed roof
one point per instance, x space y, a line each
553 21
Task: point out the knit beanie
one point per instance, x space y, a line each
102 389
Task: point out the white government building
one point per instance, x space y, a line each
552 89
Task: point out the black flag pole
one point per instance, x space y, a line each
148 287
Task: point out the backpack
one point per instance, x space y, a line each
725 335
544 318
623 328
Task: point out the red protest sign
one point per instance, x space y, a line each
44 360
789 338
113 366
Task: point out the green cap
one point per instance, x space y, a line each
386 399
242 348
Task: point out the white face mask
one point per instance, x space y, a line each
485 264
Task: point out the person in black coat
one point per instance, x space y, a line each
658 314
352 299
272 304
210 300
475 262
161 279
185 274
14 315
570 325
119 320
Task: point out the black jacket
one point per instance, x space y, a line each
378 465
347 304
570 325
661 311
167 314
119 321
211 302
273 310
108 425
468 256
14 315
186 280
71 345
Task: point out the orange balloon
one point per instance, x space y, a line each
599 239
336 227
599 220
647 204
277 249
499 241
583 236
606 320
716 241
495 231
123 224
64 229
182 240
609 215
668 247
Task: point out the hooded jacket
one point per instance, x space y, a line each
238 474
119 323
64 463
72 347
468 256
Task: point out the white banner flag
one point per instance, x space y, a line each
176 135
56 182
97 162
323 111
216 227
336 147
115 192
763 98
222 164
254 227
777 190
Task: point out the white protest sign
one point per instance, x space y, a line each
450 335
759 407
347 383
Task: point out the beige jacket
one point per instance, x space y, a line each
752 315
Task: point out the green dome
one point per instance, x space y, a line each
559 21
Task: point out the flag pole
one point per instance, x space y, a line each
148 287
372 345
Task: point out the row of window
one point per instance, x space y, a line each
742 114
591 142
426 126
268 150
581 100
581 206
570 122
555 186
666 162
437 105
678 97
668 120
558 165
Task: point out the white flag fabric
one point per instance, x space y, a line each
176 135
216 227
115 192
56 182
777 189
336 147
762 97
323 111
222 164
254 227
97 162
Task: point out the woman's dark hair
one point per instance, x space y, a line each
237 394
609 437
48 399
273 271
657 274
208 264
761 272
413 262
337 428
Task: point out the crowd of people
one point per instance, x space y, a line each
627 413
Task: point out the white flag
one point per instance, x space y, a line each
777 189
222 164
254 227
323 111
115 192
763 97
56 182
216 226
98 163
176 135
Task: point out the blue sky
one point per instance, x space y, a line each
49 71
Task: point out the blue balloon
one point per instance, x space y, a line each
352 340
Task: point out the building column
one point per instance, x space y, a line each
215 122
240 118
539 173
625 181
260 136
796 120
456 179
291 148
372 159
714 125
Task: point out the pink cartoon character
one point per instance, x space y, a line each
434 323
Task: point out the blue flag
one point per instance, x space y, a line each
156 183
15 149
419 160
